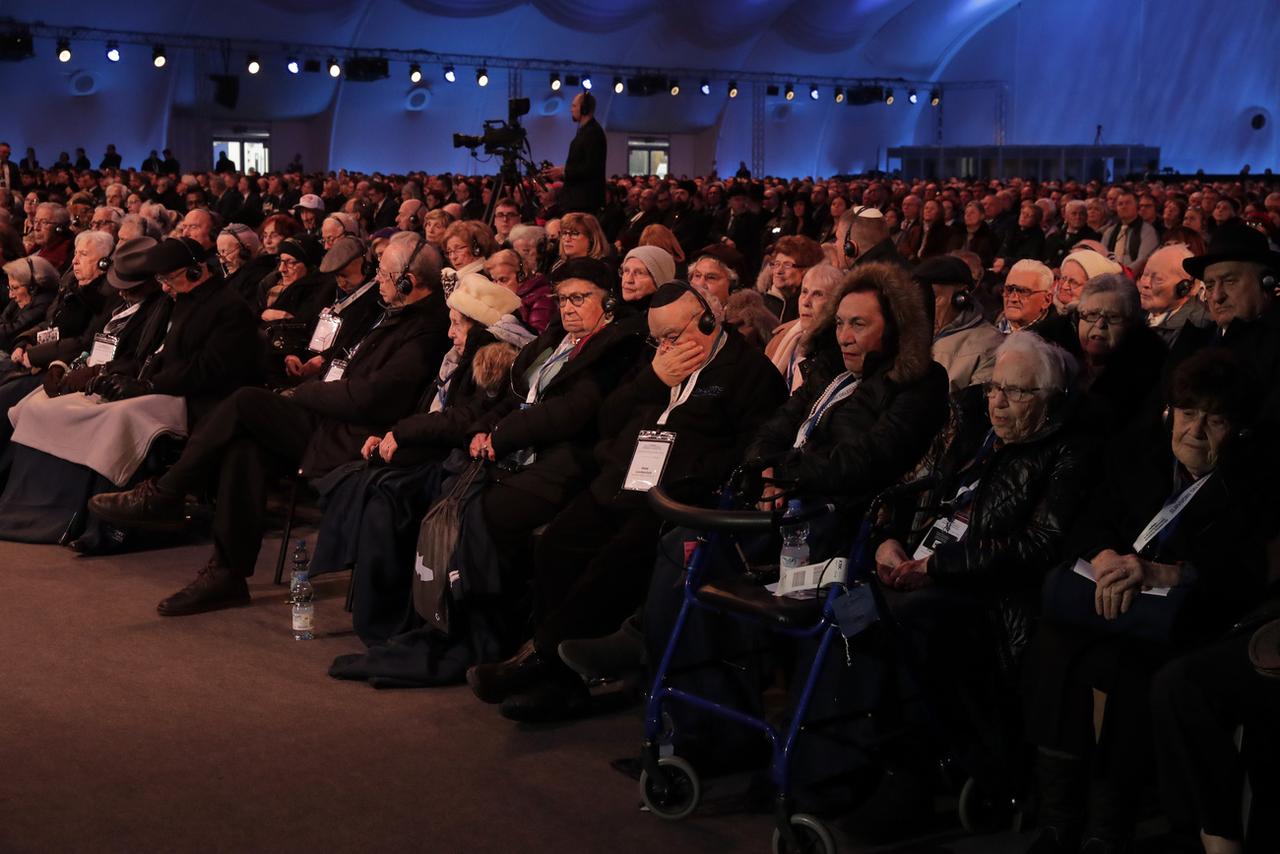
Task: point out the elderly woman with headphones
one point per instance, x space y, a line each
32 283
1172 551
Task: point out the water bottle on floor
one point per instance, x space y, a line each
795 539
302 595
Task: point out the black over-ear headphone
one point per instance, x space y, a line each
1269 282
415 219
404 284
1183 288
104 263
961 300
707 320
243 252
31 268
476 251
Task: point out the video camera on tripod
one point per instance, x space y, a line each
499 137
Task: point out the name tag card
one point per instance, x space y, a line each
649 459
326 331
943 531
337 368
104 349
47 336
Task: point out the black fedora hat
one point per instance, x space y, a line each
1234 242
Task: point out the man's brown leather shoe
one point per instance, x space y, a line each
144 506
215 587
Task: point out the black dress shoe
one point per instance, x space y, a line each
494 682
215 587
562 697
144 506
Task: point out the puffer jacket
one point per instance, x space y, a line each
872 438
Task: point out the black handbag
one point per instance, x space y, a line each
437 540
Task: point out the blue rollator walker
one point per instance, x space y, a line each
669 785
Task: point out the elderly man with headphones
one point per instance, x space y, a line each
683 420
963 341
313 428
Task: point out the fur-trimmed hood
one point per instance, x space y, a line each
908 344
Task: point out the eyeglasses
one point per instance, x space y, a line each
1113 318
100 223
569 232
40 223
781 266
669 340
1012 393
456 250
576 300
506 215
1020 292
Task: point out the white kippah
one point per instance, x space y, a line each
870 213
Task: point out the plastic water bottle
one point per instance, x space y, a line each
302 595
795 539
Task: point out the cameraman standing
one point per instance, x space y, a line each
583 170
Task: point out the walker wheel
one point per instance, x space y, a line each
811 834
982 813
677 796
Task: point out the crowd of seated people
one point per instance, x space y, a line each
1085 374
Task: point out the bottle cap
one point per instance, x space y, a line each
793 506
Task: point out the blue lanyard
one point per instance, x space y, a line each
840 388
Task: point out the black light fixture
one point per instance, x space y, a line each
813 91
733 88
705 87
675 87
586 80
449 74
789 92
292 65
913 96
253 66
482 77
618 86
555 82
157 56
935 97
415 73
113 51
839 95
335 68
888 96
64 50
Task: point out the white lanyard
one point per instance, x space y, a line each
1168 513
341 306
838 389
680 394
548 369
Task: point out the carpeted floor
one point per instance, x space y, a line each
123 731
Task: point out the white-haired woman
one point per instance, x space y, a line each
816 287
243 263
1122 356
32 284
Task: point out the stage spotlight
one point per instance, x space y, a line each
704 87
415 73
482 77
618 86
555 82
839 95
813 92
888 96
254 65
586 81
790 92
113 52
733 88
157 56
675 87
335 70
449 74
292 65
912 96
64 50
935 97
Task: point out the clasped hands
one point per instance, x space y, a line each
384 446
1121 577
898 571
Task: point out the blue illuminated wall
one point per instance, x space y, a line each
1184 75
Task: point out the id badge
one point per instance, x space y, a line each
104 349
337 368
649 459
326 331
47 336
943 531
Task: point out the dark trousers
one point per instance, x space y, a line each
511 516
1197 702
1066 666
251 436
593 565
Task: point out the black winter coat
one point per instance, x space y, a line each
72 310
74 336
382 383
982 242
209 351
1133 369
247 280
734 396
561 427
1255 343
861 445
14 320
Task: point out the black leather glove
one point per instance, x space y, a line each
123 387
